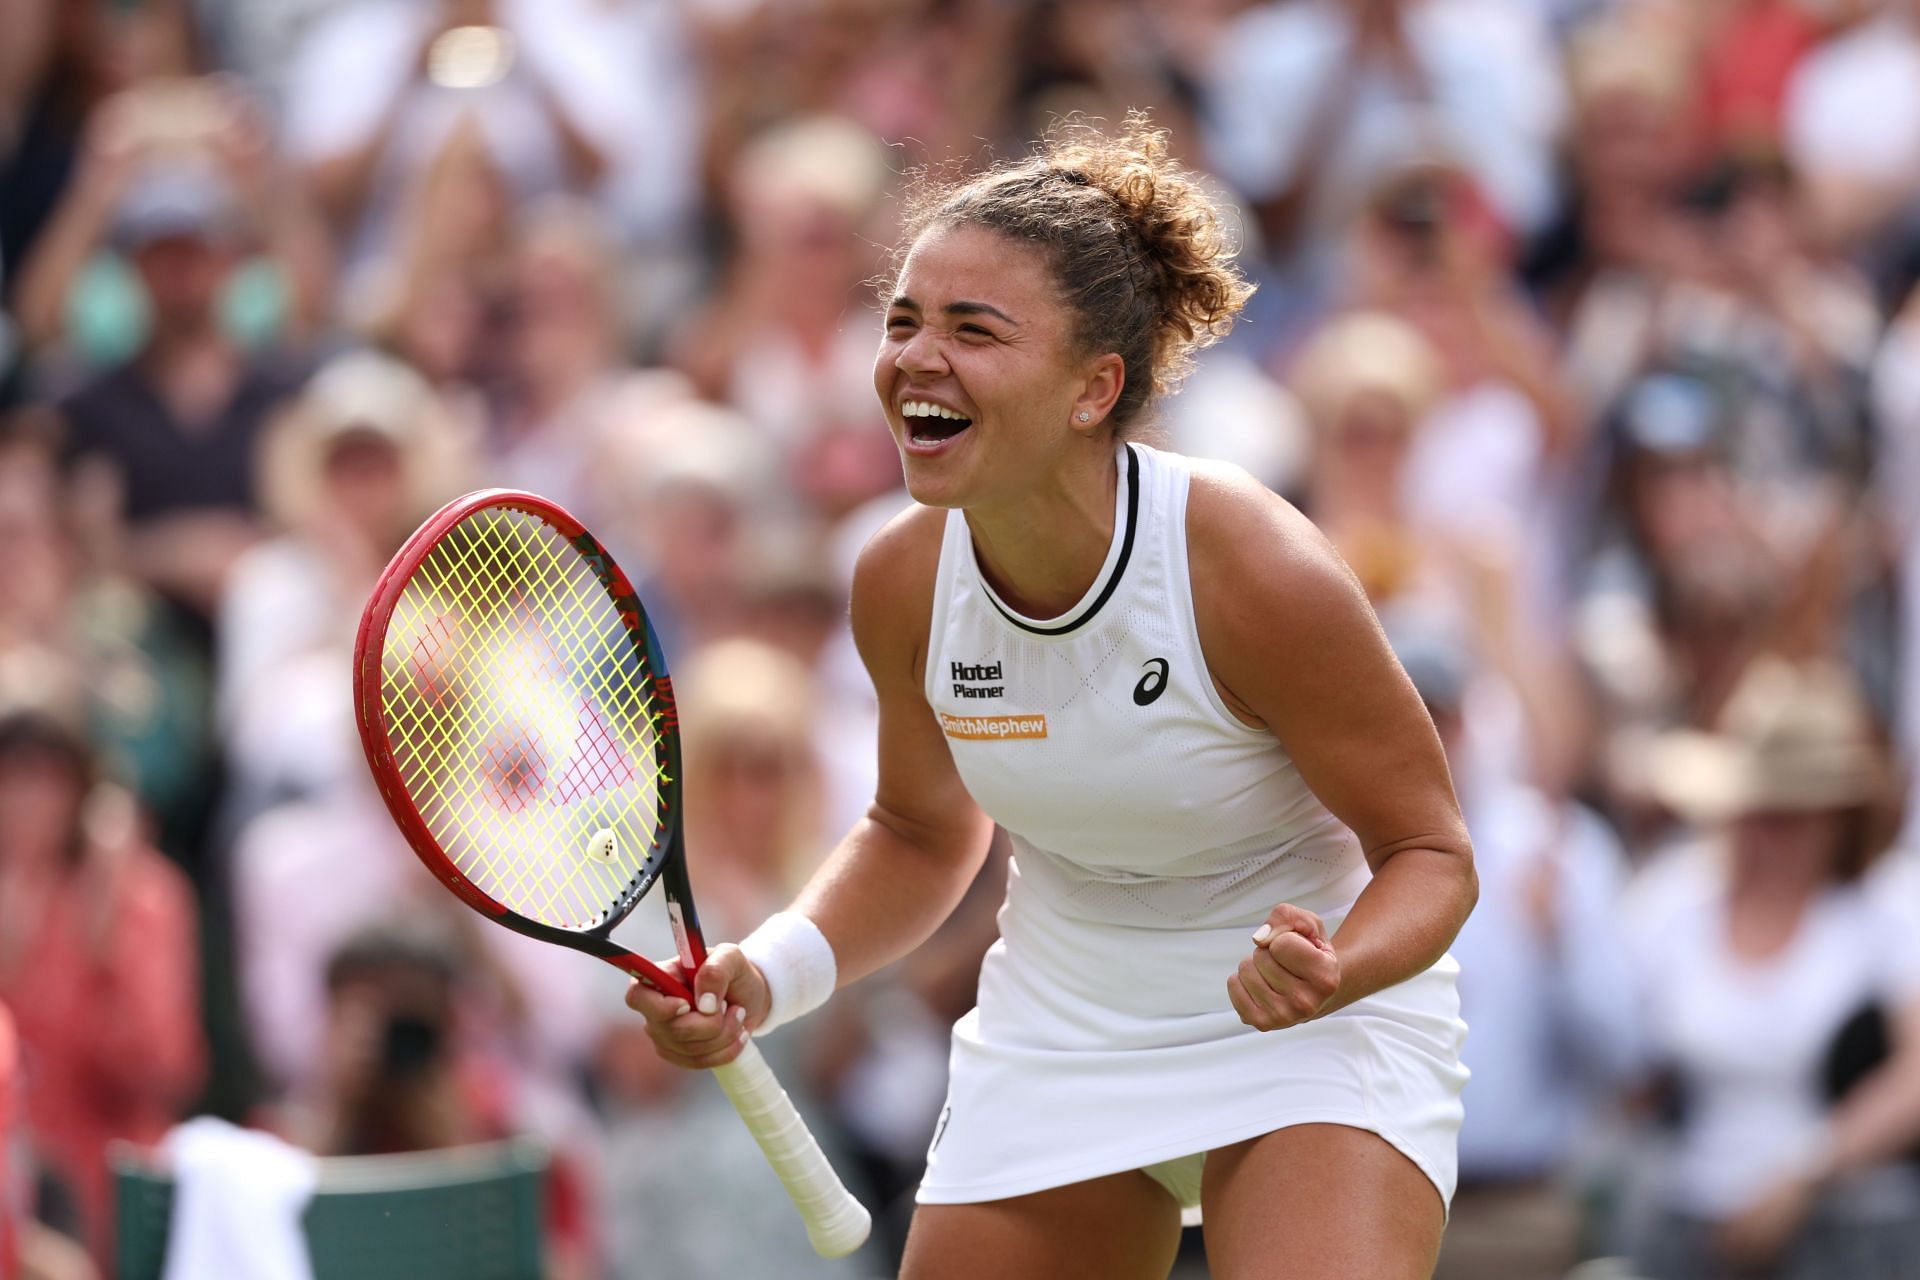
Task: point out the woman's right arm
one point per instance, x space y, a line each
903 867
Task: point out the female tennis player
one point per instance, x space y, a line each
1238 861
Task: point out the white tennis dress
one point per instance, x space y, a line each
1152 833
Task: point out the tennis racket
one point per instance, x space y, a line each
518 716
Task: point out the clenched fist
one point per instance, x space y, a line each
1292 975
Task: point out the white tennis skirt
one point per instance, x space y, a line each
1097 1048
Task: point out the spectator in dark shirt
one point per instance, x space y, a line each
169 437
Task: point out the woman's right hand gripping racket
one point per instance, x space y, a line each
518 716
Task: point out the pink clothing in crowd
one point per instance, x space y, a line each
108 1011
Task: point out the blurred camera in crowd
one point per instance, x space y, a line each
1415 206
393 1082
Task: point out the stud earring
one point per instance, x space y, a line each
1084 415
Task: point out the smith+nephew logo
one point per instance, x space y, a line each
993 728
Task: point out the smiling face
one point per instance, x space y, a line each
977 370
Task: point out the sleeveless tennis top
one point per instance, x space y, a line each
1152 832
1099 741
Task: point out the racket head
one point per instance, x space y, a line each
516 711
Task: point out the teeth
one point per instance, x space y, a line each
927 409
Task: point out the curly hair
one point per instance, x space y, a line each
1141 254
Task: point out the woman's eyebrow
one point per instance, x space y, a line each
961 308
977 309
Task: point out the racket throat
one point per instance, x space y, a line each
693 952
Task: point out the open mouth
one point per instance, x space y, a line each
931 424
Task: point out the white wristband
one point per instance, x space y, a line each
797 961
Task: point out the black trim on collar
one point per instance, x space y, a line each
1113 579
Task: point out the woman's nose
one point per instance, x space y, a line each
922 354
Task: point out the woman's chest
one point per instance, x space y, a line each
1739 1017
1111 747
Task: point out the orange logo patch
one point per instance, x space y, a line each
993 728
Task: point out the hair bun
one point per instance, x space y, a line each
1140 250
1181 232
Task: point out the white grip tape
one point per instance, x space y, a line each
837 1224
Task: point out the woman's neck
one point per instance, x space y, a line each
1042 550
551 383
1366 499
1777 878
1765 905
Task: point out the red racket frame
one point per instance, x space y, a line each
669 865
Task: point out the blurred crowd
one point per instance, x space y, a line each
1588 330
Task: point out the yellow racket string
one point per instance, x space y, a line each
523 720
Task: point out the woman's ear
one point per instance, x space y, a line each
1106 378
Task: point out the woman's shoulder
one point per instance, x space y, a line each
1257 555
903 553
1230 513
152 897
1690 868
1674 890
1879 914
893 583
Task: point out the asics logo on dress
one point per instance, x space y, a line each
1152 684
969 681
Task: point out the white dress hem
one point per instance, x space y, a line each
979 1192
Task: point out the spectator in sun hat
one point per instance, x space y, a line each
1617 231
1761 960
679 485
1368 382
356 462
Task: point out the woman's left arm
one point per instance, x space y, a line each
1878 1121
1291 639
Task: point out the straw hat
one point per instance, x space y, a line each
821 159
1367 353
1793 738
1625 57
44 710
361 393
